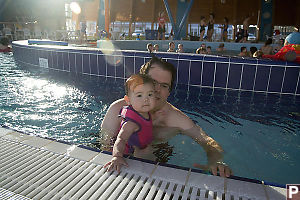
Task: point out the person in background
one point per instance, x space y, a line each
267 49
83 35
279 45
171 47
202 27
210 26
150 48
180 49
161 25
252 51
4 42
201 50
225 30
168 121
290 51
258 54
245 29
203 45
208 50
136 126
243 52
221 47
156 48
239 35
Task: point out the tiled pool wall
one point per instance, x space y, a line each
207 71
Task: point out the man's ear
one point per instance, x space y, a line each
126 98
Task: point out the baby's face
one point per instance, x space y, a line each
142 98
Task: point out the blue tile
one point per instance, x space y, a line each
237 60
173 62
110 65
101 65
147 60
35 57
276 79
139 61
78 62
169 56
234 77
66 65
290 80
120 67
262 78
72 62
196 69
208 73
93 64
49 57
28 57
183 72
86 64
54 60
221 75
293 64
129 66
298 89
60 61
248 77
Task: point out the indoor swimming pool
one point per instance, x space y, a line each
259 132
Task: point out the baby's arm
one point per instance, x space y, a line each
117 161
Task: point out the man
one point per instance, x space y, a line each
168 121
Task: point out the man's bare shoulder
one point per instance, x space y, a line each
111 120
118 103
176 118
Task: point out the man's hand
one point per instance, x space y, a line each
115 164
220 167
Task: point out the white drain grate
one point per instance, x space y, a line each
29 172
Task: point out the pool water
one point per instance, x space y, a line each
259 133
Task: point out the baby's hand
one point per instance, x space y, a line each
115 164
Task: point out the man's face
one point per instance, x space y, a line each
163 84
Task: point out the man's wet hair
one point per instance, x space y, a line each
135 80
163 65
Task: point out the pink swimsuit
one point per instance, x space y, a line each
142 137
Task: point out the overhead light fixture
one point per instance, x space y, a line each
75 7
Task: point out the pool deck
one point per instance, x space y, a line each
32 167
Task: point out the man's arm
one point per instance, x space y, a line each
111 121
213 150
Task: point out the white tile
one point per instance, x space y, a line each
276 192
16 136
101 159
246 189
208 182
4 131
37 142
57 147
171 174
83 154
139 167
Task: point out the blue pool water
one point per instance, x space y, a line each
259 133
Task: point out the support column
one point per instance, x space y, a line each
266 19
101 15
107 15
131 17
181 8
170 16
